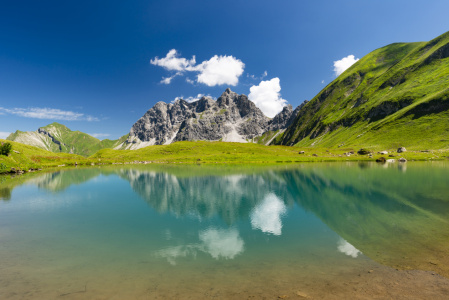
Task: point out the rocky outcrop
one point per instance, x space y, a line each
52 138
231 118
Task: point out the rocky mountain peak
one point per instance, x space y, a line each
232 118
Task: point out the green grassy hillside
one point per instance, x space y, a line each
25 157
56 137
397 95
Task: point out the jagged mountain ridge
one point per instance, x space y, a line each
56 137
397 95
231 118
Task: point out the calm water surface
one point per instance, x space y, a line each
217 232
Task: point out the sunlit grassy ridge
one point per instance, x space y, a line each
64 140
397 95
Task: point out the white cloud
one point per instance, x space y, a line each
167 80
193 99
348 249
267 215
172 62
190 80
267 97
99 135
218 70
341 65
265 74
322 81
48 113
4 134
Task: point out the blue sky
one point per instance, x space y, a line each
98 66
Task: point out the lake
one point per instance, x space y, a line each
317 230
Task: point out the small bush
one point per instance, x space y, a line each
5 148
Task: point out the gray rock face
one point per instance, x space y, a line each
232 118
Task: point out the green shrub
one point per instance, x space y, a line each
5 148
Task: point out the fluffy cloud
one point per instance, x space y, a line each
48 113
172 62
4 135
341 65
218 70
267 97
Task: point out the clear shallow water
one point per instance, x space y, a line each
205 232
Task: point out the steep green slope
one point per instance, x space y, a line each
56 137
397 95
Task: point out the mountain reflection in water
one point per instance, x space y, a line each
396 216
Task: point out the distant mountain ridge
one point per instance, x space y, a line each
231 118
397 95
56 137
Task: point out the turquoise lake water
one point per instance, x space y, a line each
160 232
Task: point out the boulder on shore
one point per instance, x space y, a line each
401 149
363 151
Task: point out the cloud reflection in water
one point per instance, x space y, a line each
348 249
219 243
266 216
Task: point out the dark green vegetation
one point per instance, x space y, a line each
395 96
56 137
5 148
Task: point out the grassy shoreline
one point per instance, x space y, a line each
25 158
